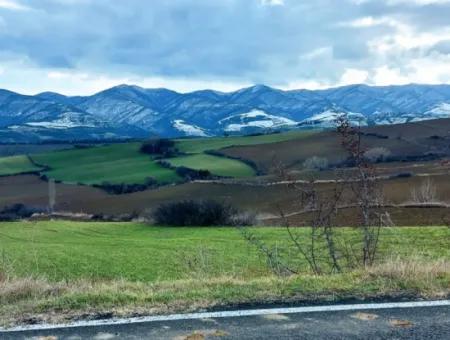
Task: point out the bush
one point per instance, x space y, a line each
377 154
197 213
192 174
316 163
17 212
123 188
159 146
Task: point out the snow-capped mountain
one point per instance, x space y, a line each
255 119
329 118
131 111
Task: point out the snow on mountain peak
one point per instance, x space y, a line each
137 111
188 129
255 119
441 110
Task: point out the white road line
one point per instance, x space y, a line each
229 314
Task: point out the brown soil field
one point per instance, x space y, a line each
401 216
412 131
263 200
406 140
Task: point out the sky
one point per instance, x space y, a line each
79 47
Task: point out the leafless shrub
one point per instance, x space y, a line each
274 260
425 193
367 193
377 154
316 163
244 218
325 249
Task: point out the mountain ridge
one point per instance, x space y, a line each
130 111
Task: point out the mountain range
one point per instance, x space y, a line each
127 111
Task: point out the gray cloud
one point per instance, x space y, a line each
237 40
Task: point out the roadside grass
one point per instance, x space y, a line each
14 165
58 271
117 163
25 300
220 166
199 145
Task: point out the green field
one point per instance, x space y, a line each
16 165
117 163
123 163
220 166
198 145
68 250
60 271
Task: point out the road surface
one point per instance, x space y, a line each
429 322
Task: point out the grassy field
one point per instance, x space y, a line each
118 163
57 271
198 145
220 166
67 250
28 149
16 165
123 163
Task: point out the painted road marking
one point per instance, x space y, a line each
230 314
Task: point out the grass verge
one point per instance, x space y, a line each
28 300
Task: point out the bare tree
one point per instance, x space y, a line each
324 248
316 163
367 193
377 154
425 193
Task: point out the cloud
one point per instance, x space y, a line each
404 2
12 5
80 45
418 2
354 76
272 2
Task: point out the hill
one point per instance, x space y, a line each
417 151
133 112
411 141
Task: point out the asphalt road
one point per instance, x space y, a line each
397 323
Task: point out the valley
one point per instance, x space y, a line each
97 249
238 169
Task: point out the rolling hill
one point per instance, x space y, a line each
133 112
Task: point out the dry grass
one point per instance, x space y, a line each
24 300
412 268
417 274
